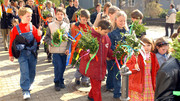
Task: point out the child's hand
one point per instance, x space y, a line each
90 55
39 31
11 58
67 52
108 59
137 67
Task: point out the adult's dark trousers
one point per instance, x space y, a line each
171 27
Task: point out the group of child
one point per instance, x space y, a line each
109 25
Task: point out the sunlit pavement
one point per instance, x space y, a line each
43 86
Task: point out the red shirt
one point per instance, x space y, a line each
83 26
24 28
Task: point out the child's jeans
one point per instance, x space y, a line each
59 62
112 78
27 63
78 75
95 91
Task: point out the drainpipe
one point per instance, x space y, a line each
125 72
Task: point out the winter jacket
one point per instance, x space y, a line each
97 69
136 79
93 17
69 12
6 20
115 36
168 80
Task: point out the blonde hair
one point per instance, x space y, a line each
113 9
48 2
107 4
22 11
61 9
121 13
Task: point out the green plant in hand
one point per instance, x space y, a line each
138 28
59 36
176 46
45 13
87 41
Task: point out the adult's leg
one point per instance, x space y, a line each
166 29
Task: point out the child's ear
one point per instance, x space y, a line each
20 17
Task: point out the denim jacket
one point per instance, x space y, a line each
115 36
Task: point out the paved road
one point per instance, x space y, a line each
43 85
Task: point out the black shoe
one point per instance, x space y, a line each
49 60
91 99
62 86
57 87
77 82
6 49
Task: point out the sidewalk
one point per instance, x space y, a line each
43 86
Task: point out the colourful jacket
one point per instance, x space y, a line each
136 79
97 69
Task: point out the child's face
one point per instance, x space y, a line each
103 32
112 16
163 50
49 19
147 47
49 5
83 20
26 18
140 20
98 9
120 22
60 16
71 4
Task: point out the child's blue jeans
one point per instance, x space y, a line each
113 78
27 63
59 62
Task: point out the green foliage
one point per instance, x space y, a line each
131 43
45 13
56 36
87 41
176 46
163 13
153 9
74 60
178 17
138 28
1 1
41 1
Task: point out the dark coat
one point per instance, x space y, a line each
69 12
93 17
168 80
6 20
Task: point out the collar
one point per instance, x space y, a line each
58 22
95 33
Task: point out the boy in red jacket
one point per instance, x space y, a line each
97 69
28 58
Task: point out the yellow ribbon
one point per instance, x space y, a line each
77 57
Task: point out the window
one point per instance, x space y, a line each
131 3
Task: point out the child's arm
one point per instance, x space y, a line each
36 34
132 64
13 34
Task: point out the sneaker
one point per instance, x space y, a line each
77 81
91 99
62 86
57 87
85 84
26 95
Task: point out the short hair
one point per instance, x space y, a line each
61 9
98 4
160 42
49 15
49 2
107 4
105 24
113 9
20 2
172 5
148 40
136 14
85 13
15 21
22 11
70 0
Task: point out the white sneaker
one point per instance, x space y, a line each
26 95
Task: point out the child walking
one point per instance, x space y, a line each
97 69
112 83
161 50
142 81
84 24
28 58
59 58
